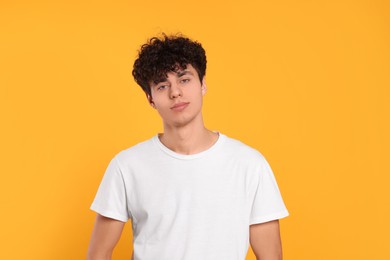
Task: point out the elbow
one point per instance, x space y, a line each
98 255
273 256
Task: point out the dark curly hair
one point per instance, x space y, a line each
161 55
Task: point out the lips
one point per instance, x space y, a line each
179 105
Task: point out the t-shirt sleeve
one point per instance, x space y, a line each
110 199
267 203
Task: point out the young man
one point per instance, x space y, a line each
191 193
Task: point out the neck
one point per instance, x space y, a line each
188 139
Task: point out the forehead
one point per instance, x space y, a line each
178 72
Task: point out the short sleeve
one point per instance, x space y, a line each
110 199
267 203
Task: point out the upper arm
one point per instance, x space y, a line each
105 235
265 240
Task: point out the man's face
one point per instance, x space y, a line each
178 99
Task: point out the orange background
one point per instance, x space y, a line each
304 82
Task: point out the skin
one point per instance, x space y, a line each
265 240
105 235
184 133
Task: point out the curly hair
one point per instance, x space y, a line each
168 53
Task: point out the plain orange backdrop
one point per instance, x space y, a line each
304 82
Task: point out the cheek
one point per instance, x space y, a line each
163 106
159 101
199 95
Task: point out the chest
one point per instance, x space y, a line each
182 189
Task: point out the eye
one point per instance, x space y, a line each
161 87
185 80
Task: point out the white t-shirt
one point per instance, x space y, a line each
190 207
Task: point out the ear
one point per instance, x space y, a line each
150 100
204 86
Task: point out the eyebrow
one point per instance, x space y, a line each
178 73
158 81
184 72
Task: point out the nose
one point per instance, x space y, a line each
175 91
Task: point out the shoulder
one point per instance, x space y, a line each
242 150
136 152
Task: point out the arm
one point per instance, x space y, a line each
105 235
265 240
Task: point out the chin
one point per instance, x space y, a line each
180 122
